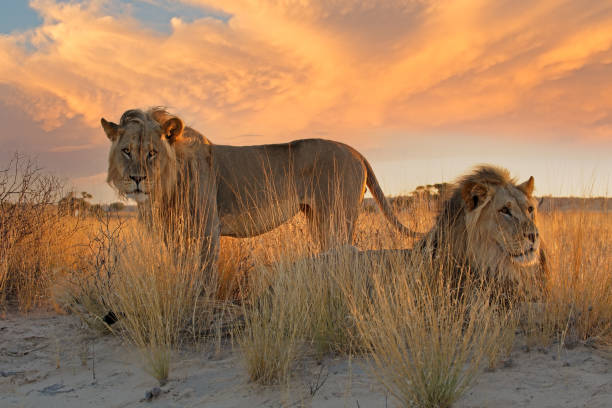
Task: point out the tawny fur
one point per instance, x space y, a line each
473 232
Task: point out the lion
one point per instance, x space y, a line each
240 191
489 226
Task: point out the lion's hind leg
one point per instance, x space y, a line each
330 229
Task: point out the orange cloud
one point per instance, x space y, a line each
284 69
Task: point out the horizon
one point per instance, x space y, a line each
424 90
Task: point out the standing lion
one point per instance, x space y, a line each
239 191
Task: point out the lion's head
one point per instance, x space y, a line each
142 159
490 222
501 215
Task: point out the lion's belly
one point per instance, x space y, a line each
255 221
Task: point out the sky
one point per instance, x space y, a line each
424 89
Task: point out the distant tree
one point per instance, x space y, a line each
443 189
116 206
369 206
401 202
96 210
70 204
423 192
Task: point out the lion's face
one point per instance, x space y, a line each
142 159
501 222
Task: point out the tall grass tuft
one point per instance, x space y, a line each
272 339
428 340
577 305
158 296
297 310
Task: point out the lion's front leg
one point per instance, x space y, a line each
209 251
208 226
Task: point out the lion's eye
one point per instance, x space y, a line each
152 154
505 210
530 209
126 151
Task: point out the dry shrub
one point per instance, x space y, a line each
321 280
85 290
156 281
36 243
276 314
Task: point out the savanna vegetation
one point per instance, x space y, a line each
278 304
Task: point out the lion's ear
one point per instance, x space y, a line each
172 129
111 129
527 187
474 194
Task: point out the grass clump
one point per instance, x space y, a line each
427 339
298 310
274 326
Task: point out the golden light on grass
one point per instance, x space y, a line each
273 334
426 340
577 306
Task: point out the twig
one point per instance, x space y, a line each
26 352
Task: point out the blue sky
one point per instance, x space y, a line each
17 15
154 14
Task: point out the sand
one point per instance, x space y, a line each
49 360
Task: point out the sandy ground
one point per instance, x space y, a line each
48 360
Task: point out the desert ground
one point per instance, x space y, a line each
48 360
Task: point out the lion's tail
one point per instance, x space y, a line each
380 198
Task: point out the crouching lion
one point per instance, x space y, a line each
488 226
240 191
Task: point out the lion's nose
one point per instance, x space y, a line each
138 179
531 236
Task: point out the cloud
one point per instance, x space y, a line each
352 70
72 148
97 178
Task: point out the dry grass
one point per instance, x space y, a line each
158 295
298 309
426 340
273 335
159 286
578 304
395 319
37 244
